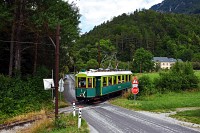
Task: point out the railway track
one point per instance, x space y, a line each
21 123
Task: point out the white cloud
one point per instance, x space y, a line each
95 12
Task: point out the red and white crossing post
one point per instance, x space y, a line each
135 88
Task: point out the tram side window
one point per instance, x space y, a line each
89 82
123 78
104 81
109 80
119 79
82 82
115 79
127 78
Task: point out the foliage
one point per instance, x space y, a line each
22 96
159 33
146 87
92 64
180 77
35 26
60 122
142 61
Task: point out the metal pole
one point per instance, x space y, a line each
134 96
57 68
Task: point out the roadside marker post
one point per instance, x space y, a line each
74 109
79 117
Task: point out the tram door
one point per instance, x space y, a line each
98 86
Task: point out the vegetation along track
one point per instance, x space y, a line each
21 123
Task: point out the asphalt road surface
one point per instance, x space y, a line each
69 88
106 118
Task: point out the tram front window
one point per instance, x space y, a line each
82 82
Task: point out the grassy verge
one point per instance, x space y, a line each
161 102
153 75
189 116
47 109
65 124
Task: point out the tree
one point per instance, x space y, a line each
32 28
142 61
92 64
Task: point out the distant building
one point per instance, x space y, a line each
165 62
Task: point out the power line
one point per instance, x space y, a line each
20 42
24 42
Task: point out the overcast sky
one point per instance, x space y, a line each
95 12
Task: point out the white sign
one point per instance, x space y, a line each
48 84
61 85
134 85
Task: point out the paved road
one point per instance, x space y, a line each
106 118
69 89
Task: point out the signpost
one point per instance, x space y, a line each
135 88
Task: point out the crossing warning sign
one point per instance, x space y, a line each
135 82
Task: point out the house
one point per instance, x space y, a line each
165 62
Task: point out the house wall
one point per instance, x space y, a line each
166 65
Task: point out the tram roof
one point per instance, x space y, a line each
104 73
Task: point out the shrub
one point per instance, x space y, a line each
21 96
180 77
145 86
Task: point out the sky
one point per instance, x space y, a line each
95 12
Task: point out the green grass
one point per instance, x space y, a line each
151 75
161 102
65 124
154 75
189 116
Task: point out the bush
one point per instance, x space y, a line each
180 77
146 86
21 96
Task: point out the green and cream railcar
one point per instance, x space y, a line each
92 84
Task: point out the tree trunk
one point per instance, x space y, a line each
18 45
12 42
35 57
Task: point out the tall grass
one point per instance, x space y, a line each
67 124
189 116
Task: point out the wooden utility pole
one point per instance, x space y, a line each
57 68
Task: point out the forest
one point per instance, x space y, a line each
162 34
28 32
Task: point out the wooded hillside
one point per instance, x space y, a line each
171 35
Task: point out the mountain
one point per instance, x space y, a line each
178 6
